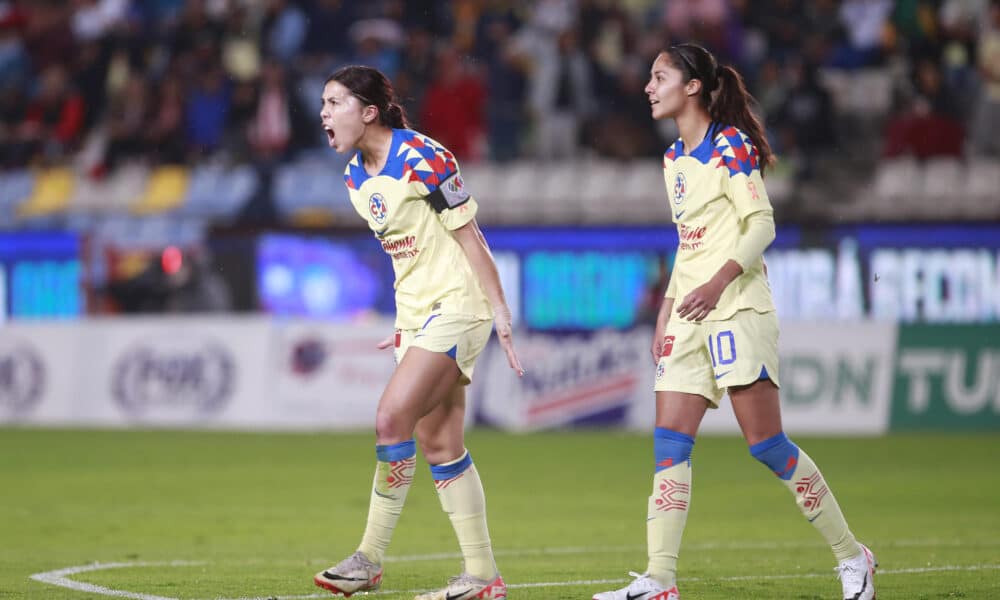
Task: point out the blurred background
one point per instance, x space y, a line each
177 246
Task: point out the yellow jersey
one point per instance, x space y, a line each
412 206
711 192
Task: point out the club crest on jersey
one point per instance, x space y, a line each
377 207
680 188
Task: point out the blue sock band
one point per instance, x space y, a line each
778 453
442 472
671 448
394 452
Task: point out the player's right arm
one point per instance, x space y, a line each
662 317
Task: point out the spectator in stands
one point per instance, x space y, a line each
205 110
53 122
165 133
561 94
126 123
453 111
506 81
14 148
278 126
804 121
284 29
920 131
986 124
623 131
865 22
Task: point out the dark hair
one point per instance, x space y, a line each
373 88
723 94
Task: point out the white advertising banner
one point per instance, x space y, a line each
329 375
568 380
260 373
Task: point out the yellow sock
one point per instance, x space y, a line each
817 503
667 510
799 474
666 516
462 498
393 475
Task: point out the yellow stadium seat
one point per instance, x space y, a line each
166 190
50 195
313 217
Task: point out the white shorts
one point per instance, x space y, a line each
706 358
460 337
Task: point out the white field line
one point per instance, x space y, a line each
60 577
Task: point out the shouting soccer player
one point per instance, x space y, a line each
409 190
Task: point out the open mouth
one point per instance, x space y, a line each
329 134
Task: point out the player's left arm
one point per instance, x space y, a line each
477 250
753 208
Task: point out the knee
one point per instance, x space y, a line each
778 453
390 427
671 448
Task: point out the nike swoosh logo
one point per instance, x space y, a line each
631 597
814 518
723 374
386 496
336 577
678 215
450 596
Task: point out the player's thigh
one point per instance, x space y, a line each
418 384
685 366
680 411
441 432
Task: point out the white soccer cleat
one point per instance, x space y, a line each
643 587
353 574
467 587
858 575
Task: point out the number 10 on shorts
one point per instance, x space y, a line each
722 347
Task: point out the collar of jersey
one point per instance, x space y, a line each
393 163
703 152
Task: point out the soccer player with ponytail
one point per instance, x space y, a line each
408 188
716 330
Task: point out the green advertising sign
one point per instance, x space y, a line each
947 377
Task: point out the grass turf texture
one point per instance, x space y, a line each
260 513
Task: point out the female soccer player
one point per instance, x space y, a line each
448 297
723 333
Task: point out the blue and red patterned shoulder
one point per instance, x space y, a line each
735 151
425 160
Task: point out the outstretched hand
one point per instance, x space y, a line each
505 334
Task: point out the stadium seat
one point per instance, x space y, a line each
942 188
982 182
50 195
166 190
15 187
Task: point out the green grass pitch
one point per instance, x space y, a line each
224 515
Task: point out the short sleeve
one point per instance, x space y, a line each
741 161
433 174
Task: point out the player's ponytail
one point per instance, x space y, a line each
723 94
373 88
395 116
731 105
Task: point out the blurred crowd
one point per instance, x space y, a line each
97 83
